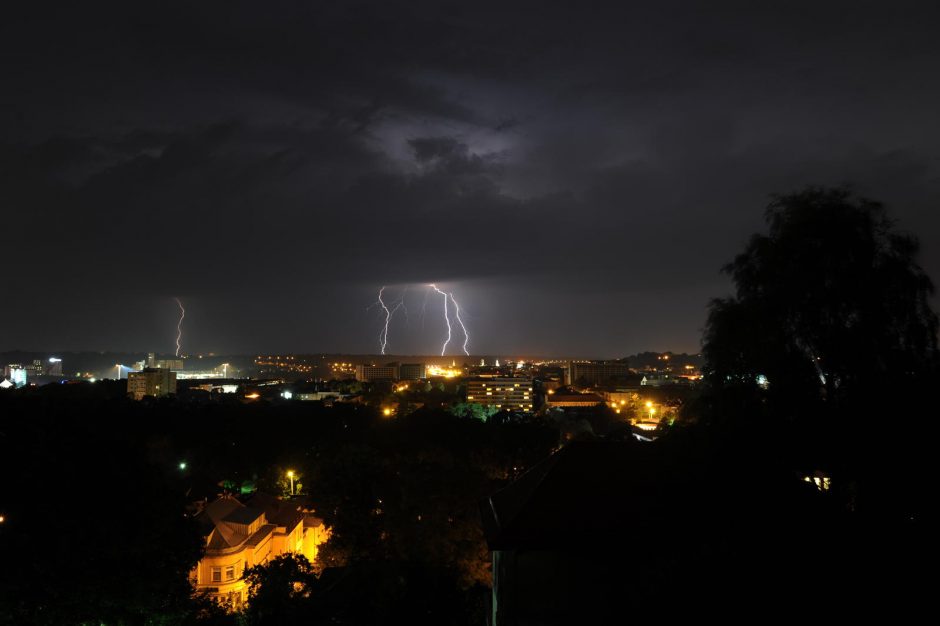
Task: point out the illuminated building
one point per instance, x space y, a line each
54 367
36 369
168 364
16 374
574 401
41 367
663 380
240 536
151 382
436 371
319 396
621 397
594 372
412 371
369 373
512 394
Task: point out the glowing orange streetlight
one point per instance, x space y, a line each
290 474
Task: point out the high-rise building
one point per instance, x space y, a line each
54 367
369 373
511 394
36 369
170 364
412 371
151 382
594 372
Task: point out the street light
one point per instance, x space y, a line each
290 474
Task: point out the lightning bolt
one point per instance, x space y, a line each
446 318
179 326
466 335
383 336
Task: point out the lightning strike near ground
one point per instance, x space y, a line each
466 335
383 336
179 326
446 318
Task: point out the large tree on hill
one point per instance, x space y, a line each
828 303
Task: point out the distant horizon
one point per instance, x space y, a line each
329 353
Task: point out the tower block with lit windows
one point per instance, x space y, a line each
510 394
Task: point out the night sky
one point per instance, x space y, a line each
576 176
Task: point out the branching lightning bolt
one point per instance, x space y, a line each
391 307
383 336
466 335
179 326
446 318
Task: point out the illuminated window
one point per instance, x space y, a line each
230 572
216 574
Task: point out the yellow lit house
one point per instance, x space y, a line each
240 536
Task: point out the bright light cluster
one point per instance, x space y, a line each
435 371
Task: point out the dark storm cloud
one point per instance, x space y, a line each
579 172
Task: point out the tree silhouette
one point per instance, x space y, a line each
830 301
280 590
830 330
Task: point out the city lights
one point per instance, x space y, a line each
435 371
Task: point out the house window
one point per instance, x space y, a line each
216 574
230 572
